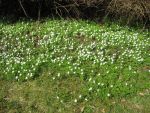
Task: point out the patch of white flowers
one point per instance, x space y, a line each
90 52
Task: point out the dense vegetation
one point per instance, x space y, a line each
69 62
127 10
89 65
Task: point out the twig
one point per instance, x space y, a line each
23 8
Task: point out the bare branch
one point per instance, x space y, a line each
23 8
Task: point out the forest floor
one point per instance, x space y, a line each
70 66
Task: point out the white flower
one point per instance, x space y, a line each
26 78
80 96
53 78
75 100
58 75
57 97
130 68
90 79
111 86
93 81
86 99
31 75
99 74
61 101
16 77
90 88
108 95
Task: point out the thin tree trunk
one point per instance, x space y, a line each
39 10
23 8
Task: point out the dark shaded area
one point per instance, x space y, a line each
128 11
31 7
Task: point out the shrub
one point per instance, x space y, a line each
129 10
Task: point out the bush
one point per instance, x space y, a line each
130 10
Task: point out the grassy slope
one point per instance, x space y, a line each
39 96
55 84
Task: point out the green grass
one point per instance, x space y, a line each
73 66
40 96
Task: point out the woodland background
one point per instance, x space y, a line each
128 11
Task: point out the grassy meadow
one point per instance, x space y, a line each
70 66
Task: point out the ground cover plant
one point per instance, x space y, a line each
71 62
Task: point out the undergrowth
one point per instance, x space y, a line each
109 60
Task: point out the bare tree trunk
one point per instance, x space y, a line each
39 11
23 8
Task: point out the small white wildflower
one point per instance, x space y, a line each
75 100
130 68
26 78
61 101
90 79
58 75
68 72
16 77
111 86
86 99
57 97
90 88
31 75
93 81
53 78
80 96
108 95
102 84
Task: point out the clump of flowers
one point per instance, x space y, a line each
107 60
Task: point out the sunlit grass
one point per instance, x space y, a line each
78 61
